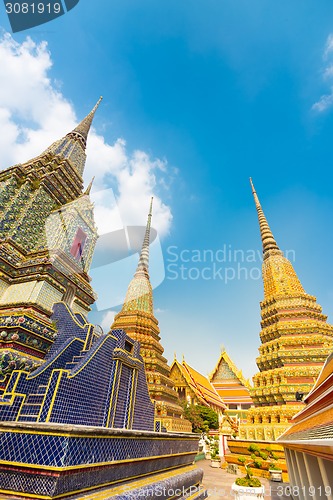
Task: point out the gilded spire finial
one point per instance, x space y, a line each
82 129
143 265
267 238
87 191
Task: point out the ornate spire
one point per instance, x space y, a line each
278 274
82 129
139 296
267 238
72 146
87 191
143 265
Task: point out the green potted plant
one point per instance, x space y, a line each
248 487
268 456
274 470
214 453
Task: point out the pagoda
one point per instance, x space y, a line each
47 239
295 342
137 319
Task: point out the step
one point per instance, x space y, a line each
27 418
35 399
76 359
41 391
30 410
5 399
70 365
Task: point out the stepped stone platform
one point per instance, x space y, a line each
44 460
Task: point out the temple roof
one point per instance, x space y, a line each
200 385
235 372
229 381
315 421
325 376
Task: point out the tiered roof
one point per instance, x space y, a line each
229 381
200 385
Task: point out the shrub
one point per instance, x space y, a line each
254 461
248 482
254 448
274 467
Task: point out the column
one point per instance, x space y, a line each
303 482
314 475
290 465
326 470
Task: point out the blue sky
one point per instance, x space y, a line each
210 93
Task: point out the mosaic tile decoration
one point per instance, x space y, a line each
185 482
55 484
68 451
60 390
43 205
52 461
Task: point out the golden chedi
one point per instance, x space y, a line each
295 342
137 319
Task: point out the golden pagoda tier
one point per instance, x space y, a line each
295 342
47 239
137 319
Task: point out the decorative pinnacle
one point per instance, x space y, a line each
83 127
87 191
267 238
143 265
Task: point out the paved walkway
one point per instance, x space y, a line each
218 483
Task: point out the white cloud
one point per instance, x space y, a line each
326 101
328 46
107 320
34 113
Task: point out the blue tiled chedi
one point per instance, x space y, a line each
84 419
85 380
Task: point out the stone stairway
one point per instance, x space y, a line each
31 408
71 364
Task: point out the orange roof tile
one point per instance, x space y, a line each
231 384
201 386
318 426
315 420
326 371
